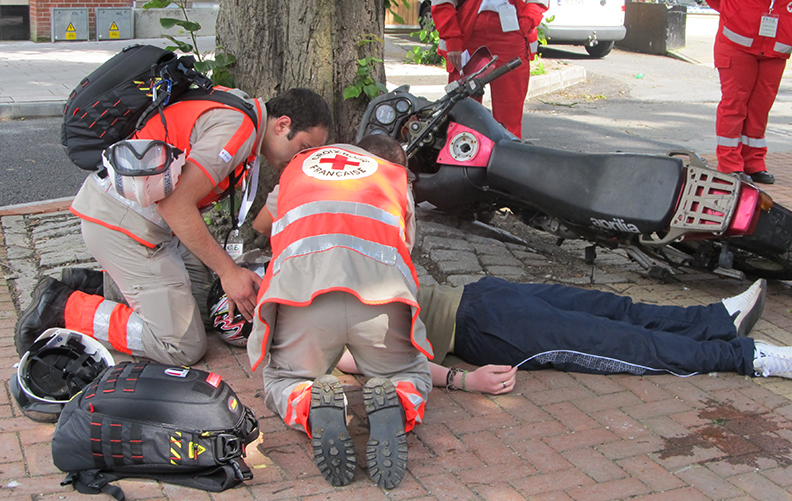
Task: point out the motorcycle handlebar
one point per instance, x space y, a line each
514 63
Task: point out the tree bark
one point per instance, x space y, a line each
303 43
281 44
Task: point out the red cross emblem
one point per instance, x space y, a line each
339 162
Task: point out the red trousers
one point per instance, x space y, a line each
749 84
508 92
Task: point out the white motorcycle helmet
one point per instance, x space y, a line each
143 170
56 367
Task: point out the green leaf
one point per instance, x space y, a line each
184 47
204 66
157 4
351 92
371 90
363 62
397 18
169 22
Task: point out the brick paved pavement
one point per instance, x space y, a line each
557 436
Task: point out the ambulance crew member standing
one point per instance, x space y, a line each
508 29
158 254
753 44
342 227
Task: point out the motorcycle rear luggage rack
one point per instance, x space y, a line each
706 204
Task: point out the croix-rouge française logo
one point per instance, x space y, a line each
333 164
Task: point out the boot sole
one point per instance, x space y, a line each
386 451
333 447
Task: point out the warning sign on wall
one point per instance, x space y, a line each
114 24
69 24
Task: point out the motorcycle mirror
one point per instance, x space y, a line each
478 62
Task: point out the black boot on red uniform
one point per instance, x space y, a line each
763 177
45 311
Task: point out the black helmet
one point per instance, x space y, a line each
234 331
56 367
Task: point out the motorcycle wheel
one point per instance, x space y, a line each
771 266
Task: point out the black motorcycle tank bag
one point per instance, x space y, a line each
642 190
148 420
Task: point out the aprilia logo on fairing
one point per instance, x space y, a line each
615 225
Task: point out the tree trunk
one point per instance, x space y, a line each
281 44
303 43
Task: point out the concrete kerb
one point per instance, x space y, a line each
39 109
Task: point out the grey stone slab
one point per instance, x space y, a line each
462 280
458 267
56 230
432 242
426 280
63 214
65 257
428 228
506 272
492 248
500 260
600 277
453 255
19 252
14 225
25 281
60 244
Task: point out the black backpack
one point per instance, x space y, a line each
148 420
117 99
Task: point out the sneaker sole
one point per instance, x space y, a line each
333 447
755 313
386 451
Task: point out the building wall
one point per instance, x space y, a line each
41 10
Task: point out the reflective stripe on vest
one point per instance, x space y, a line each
335 207
737 38
379 252
782 48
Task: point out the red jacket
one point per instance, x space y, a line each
455 22
740 21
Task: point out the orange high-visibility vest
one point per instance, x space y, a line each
180 118
334 197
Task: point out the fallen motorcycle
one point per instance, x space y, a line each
664 211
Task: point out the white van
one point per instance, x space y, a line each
596 24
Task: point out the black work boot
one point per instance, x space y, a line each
46 311
386 451
333 447
84 280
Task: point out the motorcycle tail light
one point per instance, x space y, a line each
746 215
767 201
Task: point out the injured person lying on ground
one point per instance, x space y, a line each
504 326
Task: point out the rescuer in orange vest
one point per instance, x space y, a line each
160 255
342 226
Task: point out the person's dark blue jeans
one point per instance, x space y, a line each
578 330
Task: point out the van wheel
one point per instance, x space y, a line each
602 49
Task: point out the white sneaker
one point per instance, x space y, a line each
771 360
747 308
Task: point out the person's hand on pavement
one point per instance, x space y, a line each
494 379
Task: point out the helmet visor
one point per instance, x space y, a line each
141 157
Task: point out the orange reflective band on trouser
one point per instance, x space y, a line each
298 408
413 404
79 314
106 321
